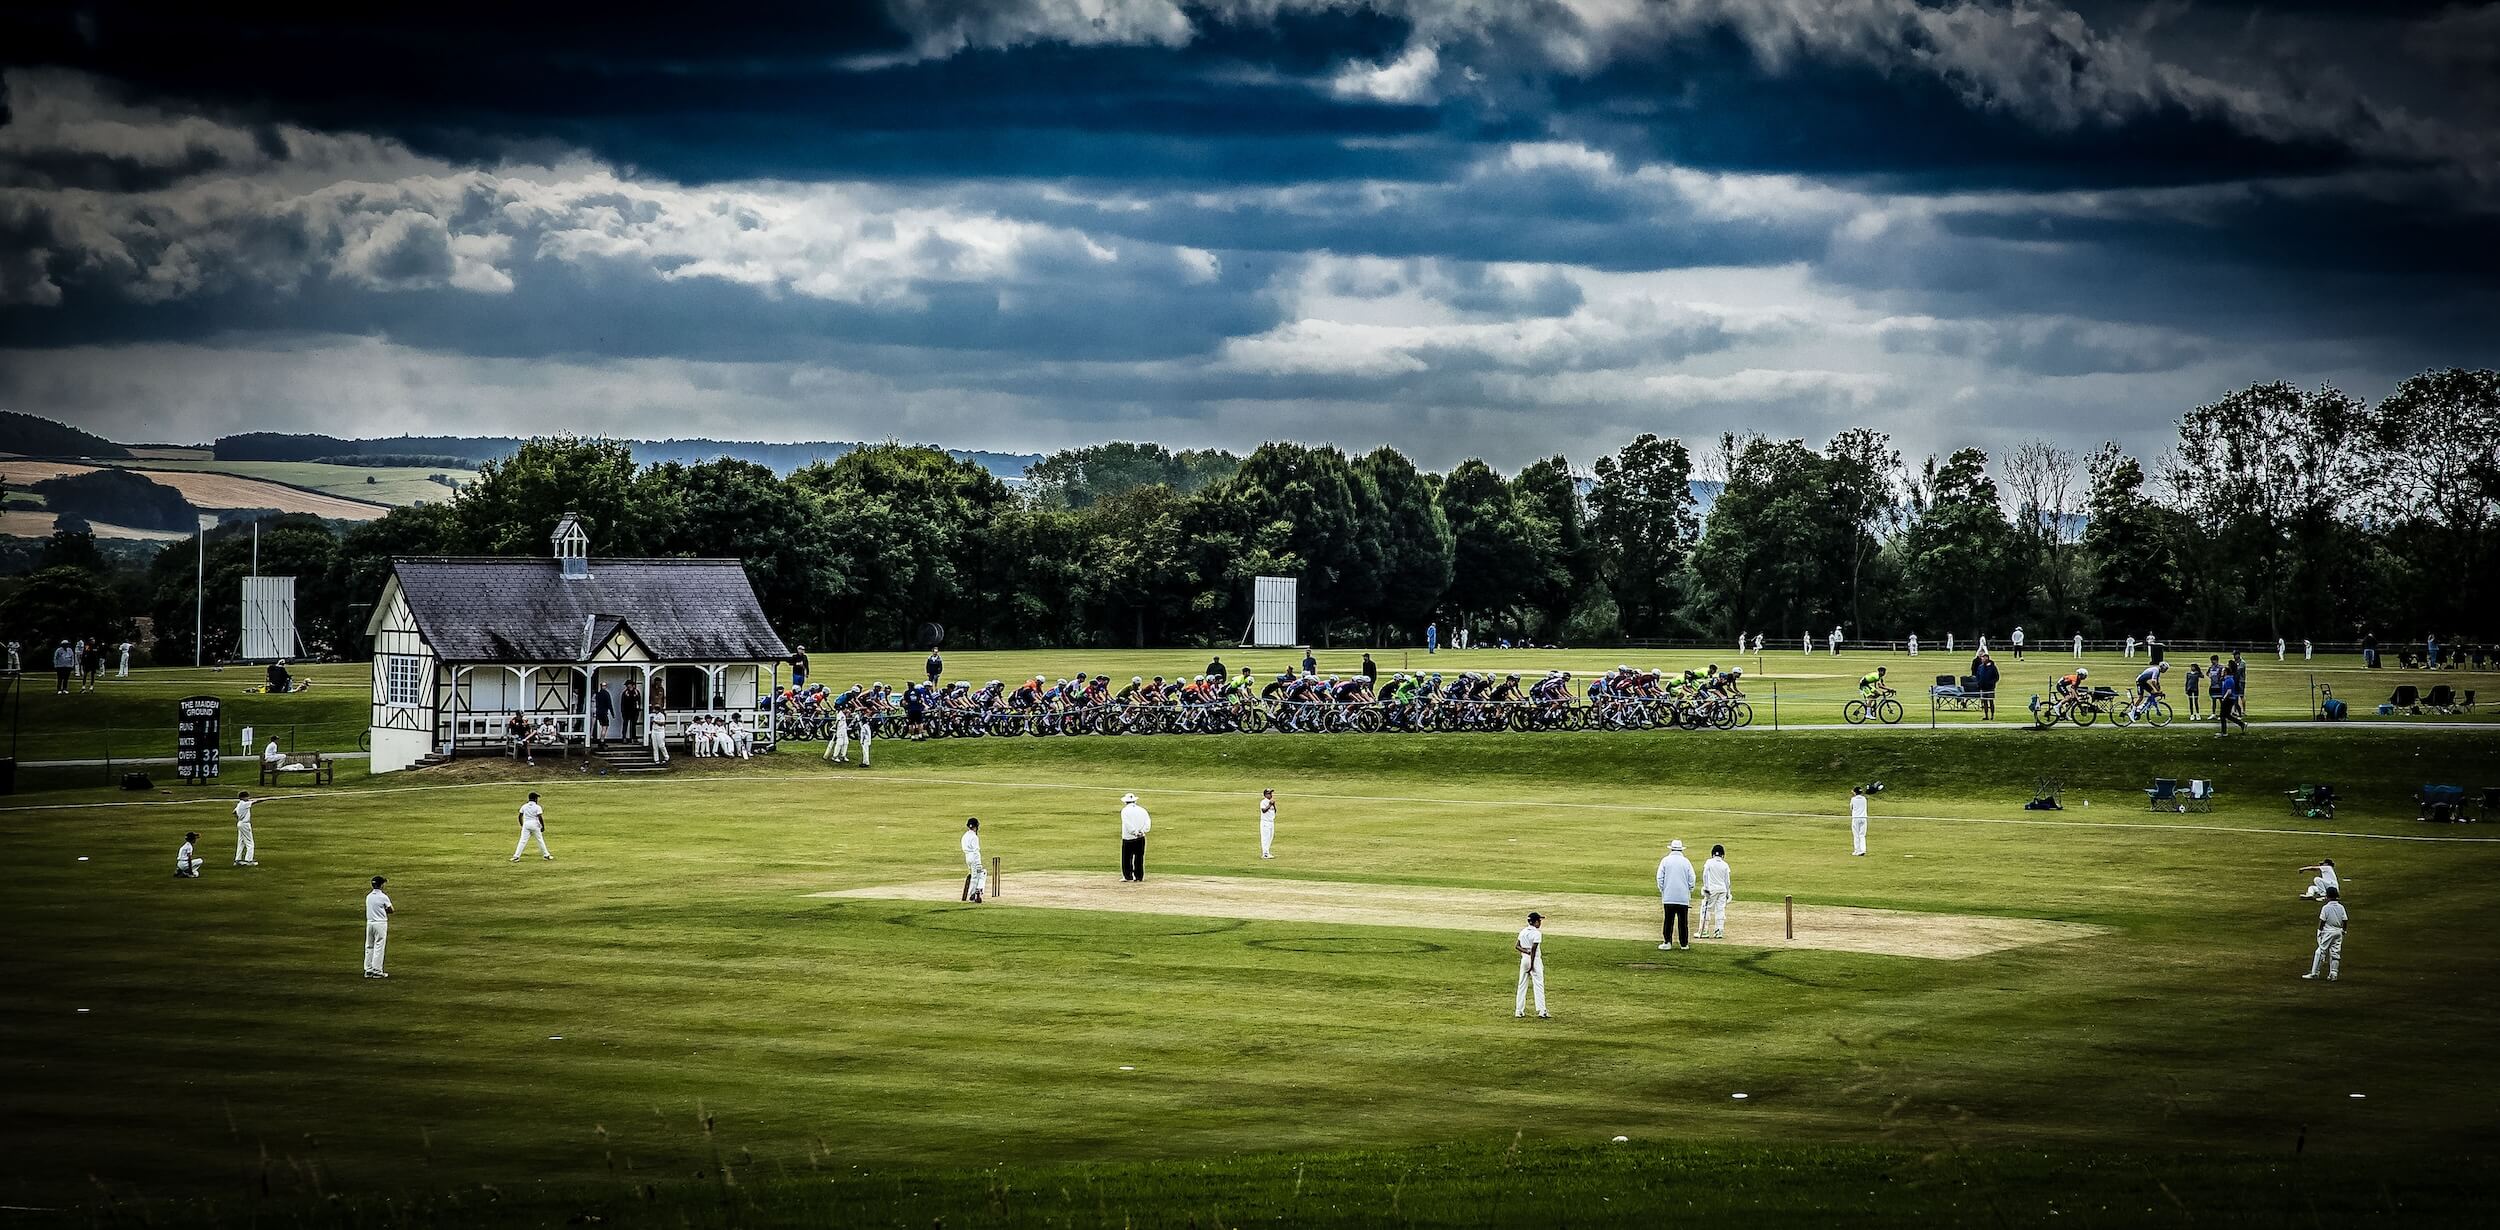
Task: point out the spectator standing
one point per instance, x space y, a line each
1983 677
2430 647
629 708
378 911
1371 671
1215 669
2153 648
936 666
602 712
90 664
1134 825
1675 894
2227 704
64 660
2369 650
798 666
1310 662
1432 639
2195 683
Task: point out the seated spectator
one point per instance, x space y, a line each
741 736
272 757
279 679
516 736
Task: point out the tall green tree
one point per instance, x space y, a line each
2130 546
906 526
1957 552
1642 531
2265 475
1075 478
1506 553
1769 549
1549 488
1860 473
513 504
1313 492
2436 488
1416 548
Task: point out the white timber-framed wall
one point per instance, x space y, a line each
405 699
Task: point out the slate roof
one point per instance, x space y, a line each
524 610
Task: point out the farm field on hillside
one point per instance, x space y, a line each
212 490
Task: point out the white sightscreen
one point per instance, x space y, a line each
268 618
1275 611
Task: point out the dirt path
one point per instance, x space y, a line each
1752 923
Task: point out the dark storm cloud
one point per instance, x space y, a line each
1420 216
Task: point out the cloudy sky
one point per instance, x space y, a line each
1504 228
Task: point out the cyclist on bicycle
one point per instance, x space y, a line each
1871 685
1028 695
1509 690
2148 682
2070 686
1276 686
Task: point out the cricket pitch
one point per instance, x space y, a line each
1752 923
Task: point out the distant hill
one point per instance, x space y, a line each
33 436
781 458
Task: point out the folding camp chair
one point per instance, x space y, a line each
2405 699
2440 699
2199 796
2313 802
2164 796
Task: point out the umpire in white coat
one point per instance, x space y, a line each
1134 824
1675 892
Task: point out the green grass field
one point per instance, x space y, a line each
666 1026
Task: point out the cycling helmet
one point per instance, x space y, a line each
995 683
2083 672
1137 679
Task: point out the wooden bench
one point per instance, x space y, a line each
320 769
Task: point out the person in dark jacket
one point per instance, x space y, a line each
602 711
1983 673
1370 670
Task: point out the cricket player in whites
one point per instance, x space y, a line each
377 928
2324 884
244 853
533 825
1531 946
1857 820
1716 891
2331 922
977 875
1267 822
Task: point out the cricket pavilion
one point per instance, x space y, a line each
462 644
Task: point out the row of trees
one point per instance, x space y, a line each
2279 512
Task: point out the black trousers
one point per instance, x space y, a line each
1133 858
1679 919
60 682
